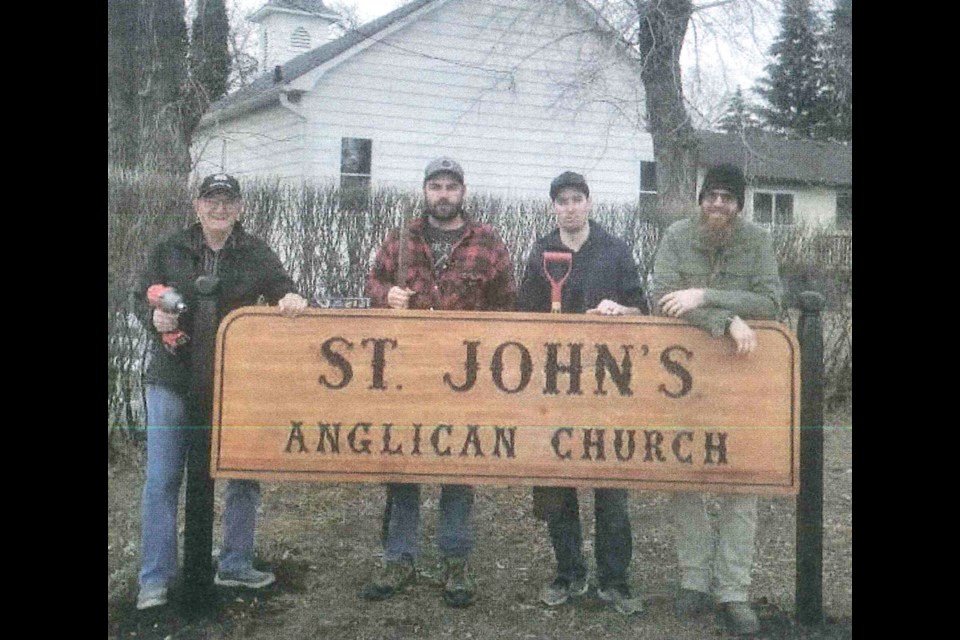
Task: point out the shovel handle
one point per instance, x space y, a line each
556 286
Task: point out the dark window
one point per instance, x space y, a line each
355 161
783 209
763 208
845 209
773 208
648 177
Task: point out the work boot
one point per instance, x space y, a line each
739 618
561 590
459 588
394 577
691 603
621 599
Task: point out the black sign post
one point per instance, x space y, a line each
809 588
198 511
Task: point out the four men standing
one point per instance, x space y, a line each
713 272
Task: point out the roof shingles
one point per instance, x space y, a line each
766 157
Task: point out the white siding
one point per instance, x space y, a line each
516 90
264 143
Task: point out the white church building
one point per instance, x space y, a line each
516 90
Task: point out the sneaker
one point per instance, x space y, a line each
249 578
154 596
394 577
691 603
621 600
561 589
739 618
459 587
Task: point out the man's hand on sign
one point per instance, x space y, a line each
743 336
676 303
165 322
399 298
608 308
292 304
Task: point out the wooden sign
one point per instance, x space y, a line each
376 395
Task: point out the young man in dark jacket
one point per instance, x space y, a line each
604 279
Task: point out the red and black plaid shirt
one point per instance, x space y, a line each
477 277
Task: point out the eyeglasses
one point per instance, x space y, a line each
725 197
215 203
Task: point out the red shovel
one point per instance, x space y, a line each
556 286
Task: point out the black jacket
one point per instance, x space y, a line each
248 269
603 268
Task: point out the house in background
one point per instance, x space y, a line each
789 182
516 90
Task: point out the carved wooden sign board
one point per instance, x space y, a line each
375 395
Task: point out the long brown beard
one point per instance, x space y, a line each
717 233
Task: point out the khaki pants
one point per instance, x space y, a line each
730 555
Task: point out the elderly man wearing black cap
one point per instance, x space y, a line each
440 260
216 245
603 279
713 272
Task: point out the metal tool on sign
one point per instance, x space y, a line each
401 279
343 303
556 284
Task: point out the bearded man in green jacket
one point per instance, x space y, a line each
714 272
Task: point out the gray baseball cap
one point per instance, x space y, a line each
443 165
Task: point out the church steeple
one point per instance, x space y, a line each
291 27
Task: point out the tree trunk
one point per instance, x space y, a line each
162 64
663 24
122 121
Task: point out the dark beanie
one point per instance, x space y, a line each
569 179
724 176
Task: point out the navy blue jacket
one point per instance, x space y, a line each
603 269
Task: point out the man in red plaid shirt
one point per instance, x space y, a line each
444 261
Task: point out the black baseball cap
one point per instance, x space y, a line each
220 182
568 179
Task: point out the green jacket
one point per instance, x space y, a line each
740 279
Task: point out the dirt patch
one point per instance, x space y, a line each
323 542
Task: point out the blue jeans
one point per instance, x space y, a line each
166 460
613 548
454 531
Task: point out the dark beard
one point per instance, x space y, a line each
716 234
443 217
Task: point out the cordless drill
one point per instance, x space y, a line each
168 299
